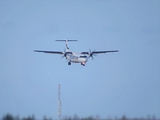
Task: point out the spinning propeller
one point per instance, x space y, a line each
65 53
91 54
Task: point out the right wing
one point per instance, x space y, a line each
51 52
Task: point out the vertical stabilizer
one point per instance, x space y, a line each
66 42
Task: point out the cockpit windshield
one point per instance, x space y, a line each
83 56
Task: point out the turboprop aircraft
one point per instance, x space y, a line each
73 57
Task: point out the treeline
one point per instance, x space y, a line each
75 117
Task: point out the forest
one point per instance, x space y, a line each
75 117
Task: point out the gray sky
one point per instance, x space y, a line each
112 84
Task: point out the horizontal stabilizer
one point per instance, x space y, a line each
66 40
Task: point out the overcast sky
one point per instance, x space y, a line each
113 84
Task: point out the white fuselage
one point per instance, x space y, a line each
74 58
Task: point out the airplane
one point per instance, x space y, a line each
73 57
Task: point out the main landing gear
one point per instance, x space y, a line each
82 64
69 63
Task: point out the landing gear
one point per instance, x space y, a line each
69 63
82 64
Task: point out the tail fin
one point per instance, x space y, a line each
66 42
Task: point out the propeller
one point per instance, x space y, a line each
64 54
91 54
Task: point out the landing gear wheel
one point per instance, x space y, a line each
82 64
69 63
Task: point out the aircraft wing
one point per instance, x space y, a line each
98 52
51 52
84 52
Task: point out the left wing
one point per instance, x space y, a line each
98 52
